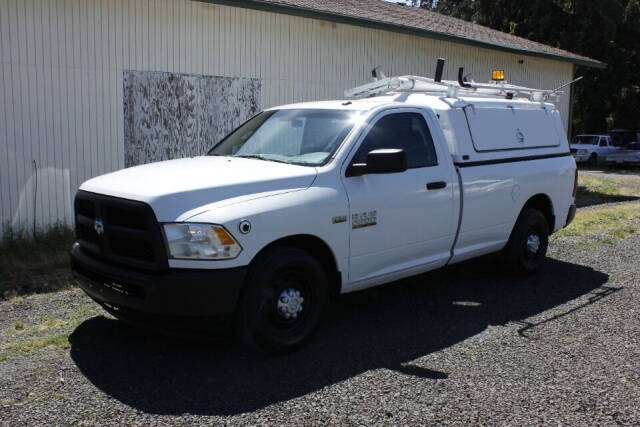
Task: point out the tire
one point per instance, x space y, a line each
593 160
284 297
527 246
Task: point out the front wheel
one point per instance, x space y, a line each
593 160
285 295
527 246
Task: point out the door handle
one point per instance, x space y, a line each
437 185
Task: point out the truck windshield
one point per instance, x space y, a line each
305 136
585 139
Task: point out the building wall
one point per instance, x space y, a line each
62 65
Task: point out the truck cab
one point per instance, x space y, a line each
591 149
307 201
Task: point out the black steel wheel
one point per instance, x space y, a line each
285 294
527 246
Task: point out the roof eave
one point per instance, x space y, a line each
352 20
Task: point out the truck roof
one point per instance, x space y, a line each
414 99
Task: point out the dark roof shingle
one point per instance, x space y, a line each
423 21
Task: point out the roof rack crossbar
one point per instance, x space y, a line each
418 84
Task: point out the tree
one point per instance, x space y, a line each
604 99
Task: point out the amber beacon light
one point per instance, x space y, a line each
497 75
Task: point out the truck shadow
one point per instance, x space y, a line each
587 197
385 327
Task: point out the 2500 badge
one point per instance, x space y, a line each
364 219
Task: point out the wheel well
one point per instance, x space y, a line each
543 203
319 249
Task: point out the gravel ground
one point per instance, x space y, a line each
463 345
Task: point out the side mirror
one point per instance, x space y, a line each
387 160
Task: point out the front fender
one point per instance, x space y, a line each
308 212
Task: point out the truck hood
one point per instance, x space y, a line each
177 189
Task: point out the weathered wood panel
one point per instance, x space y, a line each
170 115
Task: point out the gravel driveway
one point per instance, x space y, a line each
457 346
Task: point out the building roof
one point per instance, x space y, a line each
412 20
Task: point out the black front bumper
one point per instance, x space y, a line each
175 292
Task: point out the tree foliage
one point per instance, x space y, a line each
606 31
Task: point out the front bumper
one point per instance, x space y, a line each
175 292
579 158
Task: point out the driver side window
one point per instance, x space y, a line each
406 131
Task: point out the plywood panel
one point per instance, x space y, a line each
170 115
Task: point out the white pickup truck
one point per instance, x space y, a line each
591 149
306 201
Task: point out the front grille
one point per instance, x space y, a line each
574 150
131 235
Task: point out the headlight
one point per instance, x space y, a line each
583 151
200 241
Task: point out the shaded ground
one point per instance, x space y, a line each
464 345
598 187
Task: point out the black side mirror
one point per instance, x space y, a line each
387 160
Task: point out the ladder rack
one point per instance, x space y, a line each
452 89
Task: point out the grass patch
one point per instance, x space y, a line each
50 331
594 190
52 324
605 225
35 264
25 347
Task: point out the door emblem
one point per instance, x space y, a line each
364 219
98 226
520 136
339 219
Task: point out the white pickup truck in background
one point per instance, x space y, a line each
310 200
591 149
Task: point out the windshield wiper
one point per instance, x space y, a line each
260 157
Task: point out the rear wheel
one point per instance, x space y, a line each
527 246
283 301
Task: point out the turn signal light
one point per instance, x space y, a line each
224 236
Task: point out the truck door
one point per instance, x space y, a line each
400 223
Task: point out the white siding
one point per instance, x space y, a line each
62 65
